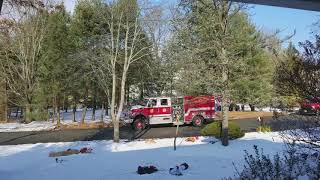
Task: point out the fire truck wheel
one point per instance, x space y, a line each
197 121
139 124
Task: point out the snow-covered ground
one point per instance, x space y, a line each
33 126
110 161
48 125
68 115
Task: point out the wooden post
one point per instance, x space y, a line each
177 131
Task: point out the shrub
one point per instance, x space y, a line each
288 166
264 128
214 129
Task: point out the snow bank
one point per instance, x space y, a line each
119 161
48 125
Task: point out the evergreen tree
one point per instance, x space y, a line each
298 74
221 54
56 66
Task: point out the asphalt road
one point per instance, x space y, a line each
13 138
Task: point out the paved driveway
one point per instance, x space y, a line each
12 138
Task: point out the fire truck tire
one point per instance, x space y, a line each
198 121
139 124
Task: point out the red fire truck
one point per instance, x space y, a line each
166 110
310 106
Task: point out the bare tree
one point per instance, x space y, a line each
123 46
23 28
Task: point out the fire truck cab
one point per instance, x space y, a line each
177 110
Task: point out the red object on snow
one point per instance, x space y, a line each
85 150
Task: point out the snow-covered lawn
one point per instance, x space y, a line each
33 126
48 125
110 161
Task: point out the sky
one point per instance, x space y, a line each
287 20
269 19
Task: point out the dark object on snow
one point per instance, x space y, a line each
177 170
315 155
184 166
304 156
59 160
146 170
85 150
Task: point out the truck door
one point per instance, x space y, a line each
151 108
161 112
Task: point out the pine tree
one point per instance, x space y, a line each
220 51
56 66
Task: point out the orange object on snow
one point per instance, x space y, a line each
191 139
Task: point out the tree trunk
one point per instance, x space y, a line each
224 104
102 112
93 118
63 106
57 107
141 91
74 110
85 102
113 113
107 105
171 86
120 107
252 107
22 112
54 110
128 95
84 112
48 113
28 117
5 102
58 115
225 119
17 113
107 110
116 133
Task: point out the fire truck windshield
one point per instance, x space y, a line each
152 102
